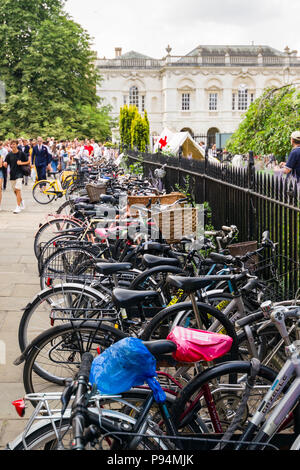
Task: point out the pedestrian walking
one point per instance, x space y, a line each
25 148
41 159
15 160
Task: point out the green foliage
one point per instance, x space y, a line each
49 72
268 124
186 188
134 129
136 168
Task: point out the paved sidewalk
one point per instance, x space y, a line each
18 284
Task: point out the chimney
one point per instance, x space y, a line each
118 52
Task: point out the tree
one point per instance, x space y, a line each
49 71
268 123
127 115
134 129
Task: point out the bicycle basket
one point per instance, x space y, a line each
123 365
95 190
175 224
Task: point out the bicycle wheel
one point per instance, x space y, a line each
39 192
161 324
56 354
74 190
215 394
67 208
51 229
44 438
38 314
155 279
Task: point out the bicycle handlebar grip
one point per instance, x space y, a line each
293 313
85 366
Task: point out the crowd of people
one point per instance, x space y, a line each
40 156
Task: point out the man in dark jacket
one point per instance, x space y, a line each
25 148
41 158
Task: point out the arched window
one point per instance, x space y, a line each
134 96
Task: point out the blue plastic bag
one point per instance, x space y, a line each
123 365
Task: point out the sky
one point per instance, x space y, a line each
149 26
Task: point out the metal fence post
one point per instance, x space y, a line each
251 208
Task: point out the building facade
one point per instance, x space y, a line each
205 92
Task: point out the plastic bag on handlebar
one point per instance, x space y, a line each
124 365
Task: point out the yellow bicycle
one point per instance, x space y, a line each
44 191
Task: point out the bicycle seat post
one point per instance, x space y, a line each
196 310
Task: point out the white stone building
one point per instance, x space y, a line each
206 91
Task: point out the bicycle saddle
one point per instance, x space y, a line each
160 346
153 246
128 298
84 206
192 284
152 261
112 268
108 199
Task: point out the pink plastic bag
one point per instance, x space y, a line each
198 345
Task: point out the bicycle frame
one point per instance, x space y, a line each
290 373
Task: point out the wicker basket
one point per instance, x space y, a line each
174 224
240 249
95 190
164 200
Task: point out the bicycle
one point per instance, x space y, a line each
131 436
45 191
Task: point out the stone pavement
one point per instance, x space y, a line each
18 284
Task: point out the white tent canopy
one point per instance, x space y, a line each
171 141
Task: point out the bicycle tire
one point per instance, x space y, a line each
162 323
186 406
75 295
37 193
67 208
52 228
43 438
146 280
66 345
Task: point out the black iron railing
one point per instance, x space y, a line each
252 200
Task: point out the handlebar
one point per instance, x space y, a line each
79 405
85 366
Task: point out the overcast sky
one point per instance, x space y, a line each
149 26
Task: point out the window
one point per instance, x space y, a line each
233 101
185 103
213 101
143 103
251 97
124 100
242 98
134 96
